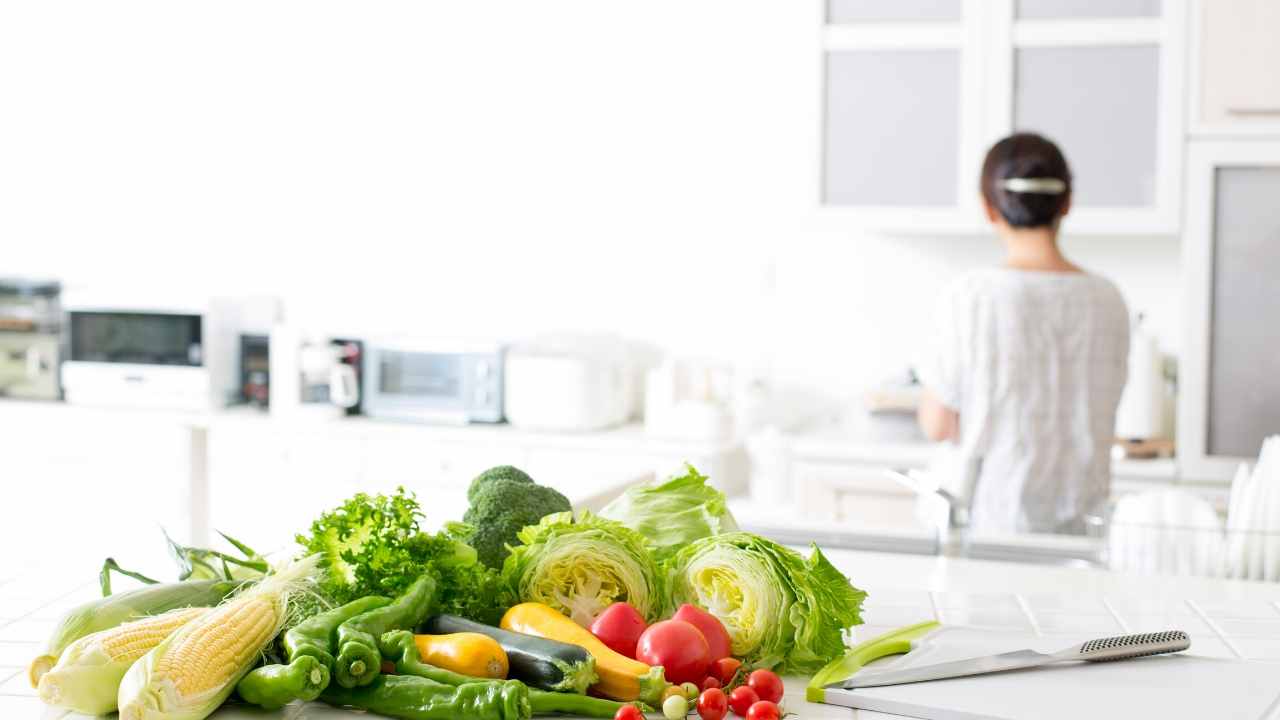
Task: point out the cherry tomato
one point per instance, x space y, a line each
741 699
673 690
710 681
678 647
724 669
763 710
619 627
628 712
766 684
718 643
712 704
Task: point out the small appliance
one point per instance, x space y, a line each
180 355
437 381
313 376
689 399
255 370
571 383
30 340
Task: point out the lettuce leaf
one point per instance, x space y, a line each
673 513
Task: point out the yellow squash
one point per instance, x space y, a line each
621 678
467 653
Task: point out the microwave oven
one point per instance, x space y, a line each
449 382
180 356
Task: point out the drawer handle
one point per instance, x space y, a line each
1254 110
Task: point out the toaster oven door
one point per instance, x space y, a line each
445 387
137 338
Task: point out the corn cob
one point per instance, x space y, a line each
87 677
189 674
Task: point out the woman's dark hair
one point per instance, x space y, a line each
1025 155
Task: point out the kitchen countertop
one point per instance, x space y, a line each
1228 619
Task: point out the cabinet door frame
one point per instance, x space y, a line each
1197 127
1168 33
1203 161
963 35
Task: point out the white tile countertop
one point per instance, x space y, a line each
1227 619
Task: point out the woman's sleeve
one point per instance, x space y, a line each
942 370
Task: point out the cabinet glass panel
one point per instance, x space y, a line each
892 127
850 11
1033 9
1099 104
1244 384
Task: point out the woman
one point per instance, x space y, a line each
1030 359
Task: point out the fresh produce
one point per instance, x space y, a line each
271 687
468 653
503 500
402 647
719 644
763 710
620 627
87 677
190 673
675 707
741 699
621 678
315 636
711 681
416 698
766 684
373 545
724 669
539 662
779 609
678 647
629 712
122 607
358 661
580 567
674 690
713 704
691 690
673 513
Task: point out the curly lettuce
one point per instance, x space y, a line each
673 513
582 566
781 610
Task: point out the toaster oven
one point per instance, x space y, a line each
449 382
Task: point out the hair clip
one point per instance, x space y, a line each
1037 185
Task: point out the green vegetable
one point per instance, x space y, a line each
673 513
316 636
400 647
580 567
538 662
372 545
416 698
358 661
117 609
780 610
271 687
675 707
504 500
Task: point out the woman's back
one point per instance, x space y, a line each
1034 363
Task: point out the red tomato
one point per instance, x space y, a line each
712 704
725 668
742 698
710 681
628 712
619 627
712 629
678 647
763 710
766 684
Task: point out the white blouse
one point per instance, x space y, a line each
1034 363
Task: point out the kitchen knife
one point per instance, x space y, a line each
1102 649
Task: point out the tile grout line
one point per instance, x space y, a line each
1204 617
1124 626
933 603
1026 610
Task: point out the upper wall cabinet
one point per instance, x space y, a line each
915 92
1235 84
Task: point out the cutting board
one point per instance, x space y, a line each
1182 685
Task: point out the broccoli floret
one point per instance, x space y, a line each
501 507
501 472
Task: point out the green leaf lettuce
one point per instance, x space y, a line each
673 513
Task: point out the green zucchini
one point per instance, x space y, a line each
538 662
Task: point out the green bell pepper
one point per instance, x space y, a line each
358 660
271 687
416 698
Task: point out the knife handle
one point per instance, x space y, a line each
1131 646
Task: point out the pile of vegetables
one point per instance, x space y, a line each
523 608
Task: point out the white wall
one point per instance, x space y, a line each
493 167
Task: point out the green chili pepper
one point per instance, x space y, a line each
358 660
398 646
271 687
416 698
317 635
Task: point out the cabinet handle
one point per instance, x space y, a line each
1253 110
